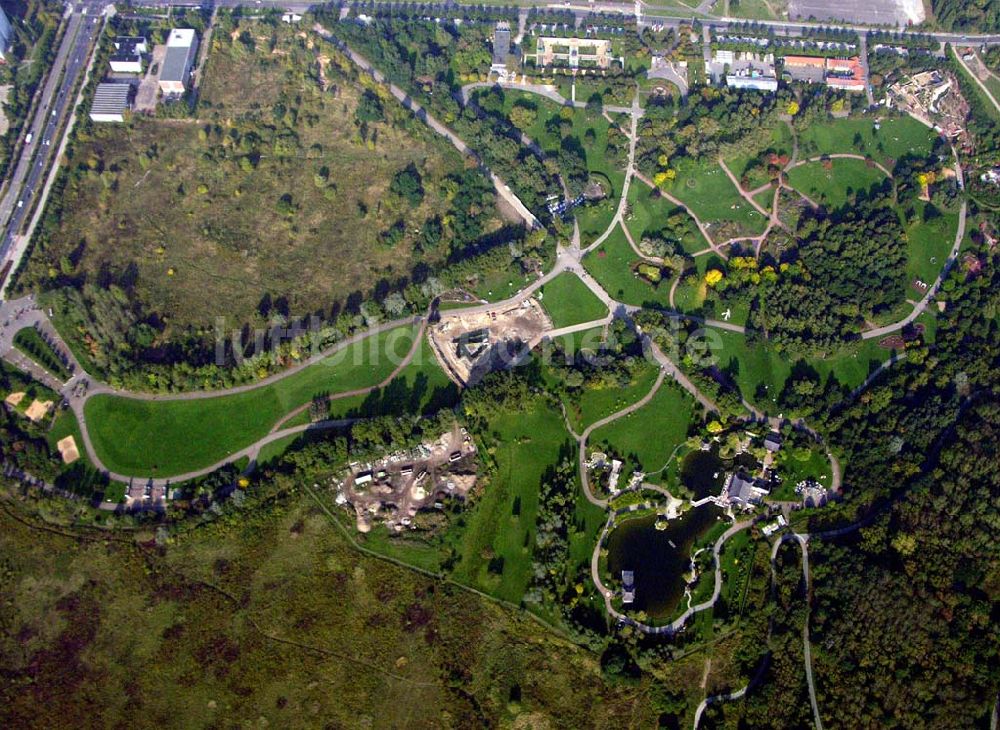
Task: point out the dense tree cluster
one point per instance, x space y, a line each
845 268
914 593
968 15
709 122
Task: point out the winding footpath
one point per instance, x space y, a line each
945 270
568 260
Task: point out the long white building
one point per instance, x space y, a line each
182 48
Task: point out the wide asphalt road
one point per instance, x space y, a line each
53 110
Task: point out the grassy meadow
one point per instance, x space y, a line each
165 437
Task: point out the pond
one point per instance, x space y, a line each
699 470
660 558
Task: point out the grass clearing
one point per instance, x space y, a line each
420 388
832 188
647 437
896 138
569 301
592 404
170 437
588 339
794 469
612 266
761 372
707 191
930 242
648 211
501 524
200 219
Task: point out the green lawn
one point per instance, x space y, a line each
706 189
755 366
611 265
648 211
752 10
691 293
929 244
896 138
647 437
794 469
595 218
594 404
832 187
422 387
765 198
588 339
501 523
568 301
169 437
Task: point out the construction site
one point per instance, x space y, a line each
934 98
394 488
469 345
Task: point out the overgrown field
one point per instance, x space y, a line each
245 621
299 187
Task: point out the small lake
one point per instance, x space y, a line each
660 568
698 470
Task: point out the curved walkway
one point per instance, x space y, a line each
545 90
582 439
802 539
414 348
677 624
567 260
839 156
975 78
412 105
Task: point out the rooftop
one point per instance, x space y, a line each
110 98
180 38
814 61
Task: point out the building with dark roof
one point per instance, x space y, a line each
127 57
501 45
628 586
772 442
471 344
742 491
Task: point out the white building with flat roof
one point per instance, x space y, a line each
110 102
182 48
127 57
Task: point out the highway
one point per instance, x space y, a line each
56 104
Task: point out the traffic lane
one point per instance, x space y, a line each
54 118
37 121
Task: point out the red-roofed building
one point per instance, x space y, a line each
845 73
